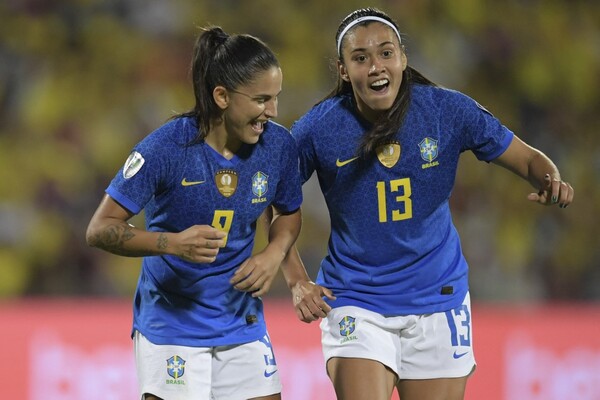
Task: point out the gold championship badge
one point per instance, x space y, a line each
389 154
226 180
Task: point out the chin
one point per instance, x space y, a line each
252 139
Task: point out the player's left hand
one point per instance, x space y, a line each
256 274
554 191
308 301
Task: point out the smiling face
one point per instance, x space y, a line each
247 109
373 64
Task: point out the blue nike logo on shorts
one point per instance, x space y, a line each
269 374
459 355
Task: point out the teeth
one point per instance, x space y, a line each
380 82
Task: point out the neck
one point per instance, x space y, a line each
220 141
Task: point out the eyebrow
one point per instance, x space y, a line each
257 96
382 44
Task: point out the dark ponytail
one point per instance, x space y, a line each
223 60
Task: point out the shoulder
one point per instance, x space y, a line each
323 111
448 101
169 141
275 132
178 130
445 96
175 132
436 93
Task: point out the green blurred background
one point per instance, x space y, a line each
82 81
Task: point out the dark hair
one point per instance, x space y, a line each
388 123
223 60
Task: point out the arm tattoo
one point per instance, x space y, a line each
113 239
162 242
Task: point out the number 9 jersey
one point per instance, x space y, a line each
180 184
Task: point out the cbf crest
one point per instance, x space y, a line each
429 152
227 181
176 367
389 154
429 149
347 327
260 184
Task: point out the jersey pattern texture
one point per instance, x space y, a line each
180 185
393 247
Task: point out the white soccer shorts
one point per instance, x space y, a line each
237 372
428 346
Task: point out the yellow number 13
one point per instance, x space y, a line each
395 186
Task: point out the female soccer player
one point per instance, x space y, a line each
385 145
203 179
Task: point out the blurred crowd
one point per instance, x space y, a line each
82 81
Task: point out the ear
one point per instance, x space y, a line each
343 71
404 60
221 97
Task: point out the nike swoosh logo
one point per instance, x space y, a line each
184 182
459 355
268 374
339 163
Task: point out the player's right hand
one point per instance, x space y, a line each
200 244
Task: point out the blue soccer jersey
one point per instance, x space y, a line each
180 185
393 247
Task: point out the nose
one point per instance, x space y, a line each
271 108
376 67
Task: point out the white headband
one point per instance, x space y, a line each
358 21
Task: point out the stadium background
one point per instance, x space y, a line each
81 81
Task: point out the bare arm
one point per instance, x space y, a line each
535 167
109 230
258 272
307 296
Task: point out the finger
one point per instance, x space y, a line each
204 259
246 285
212 244
324 307
317 311
533 197
217 234
569 193
307 314
245 282
199 255
204 252
555 190
327 293
241 273
263 289
253 282
541 197
563 193
299 314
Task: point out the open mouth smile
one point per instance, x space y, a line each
380 85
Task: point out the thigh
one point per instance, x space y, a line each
432 389
172 372
360 379
353 332
361 349
246 371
